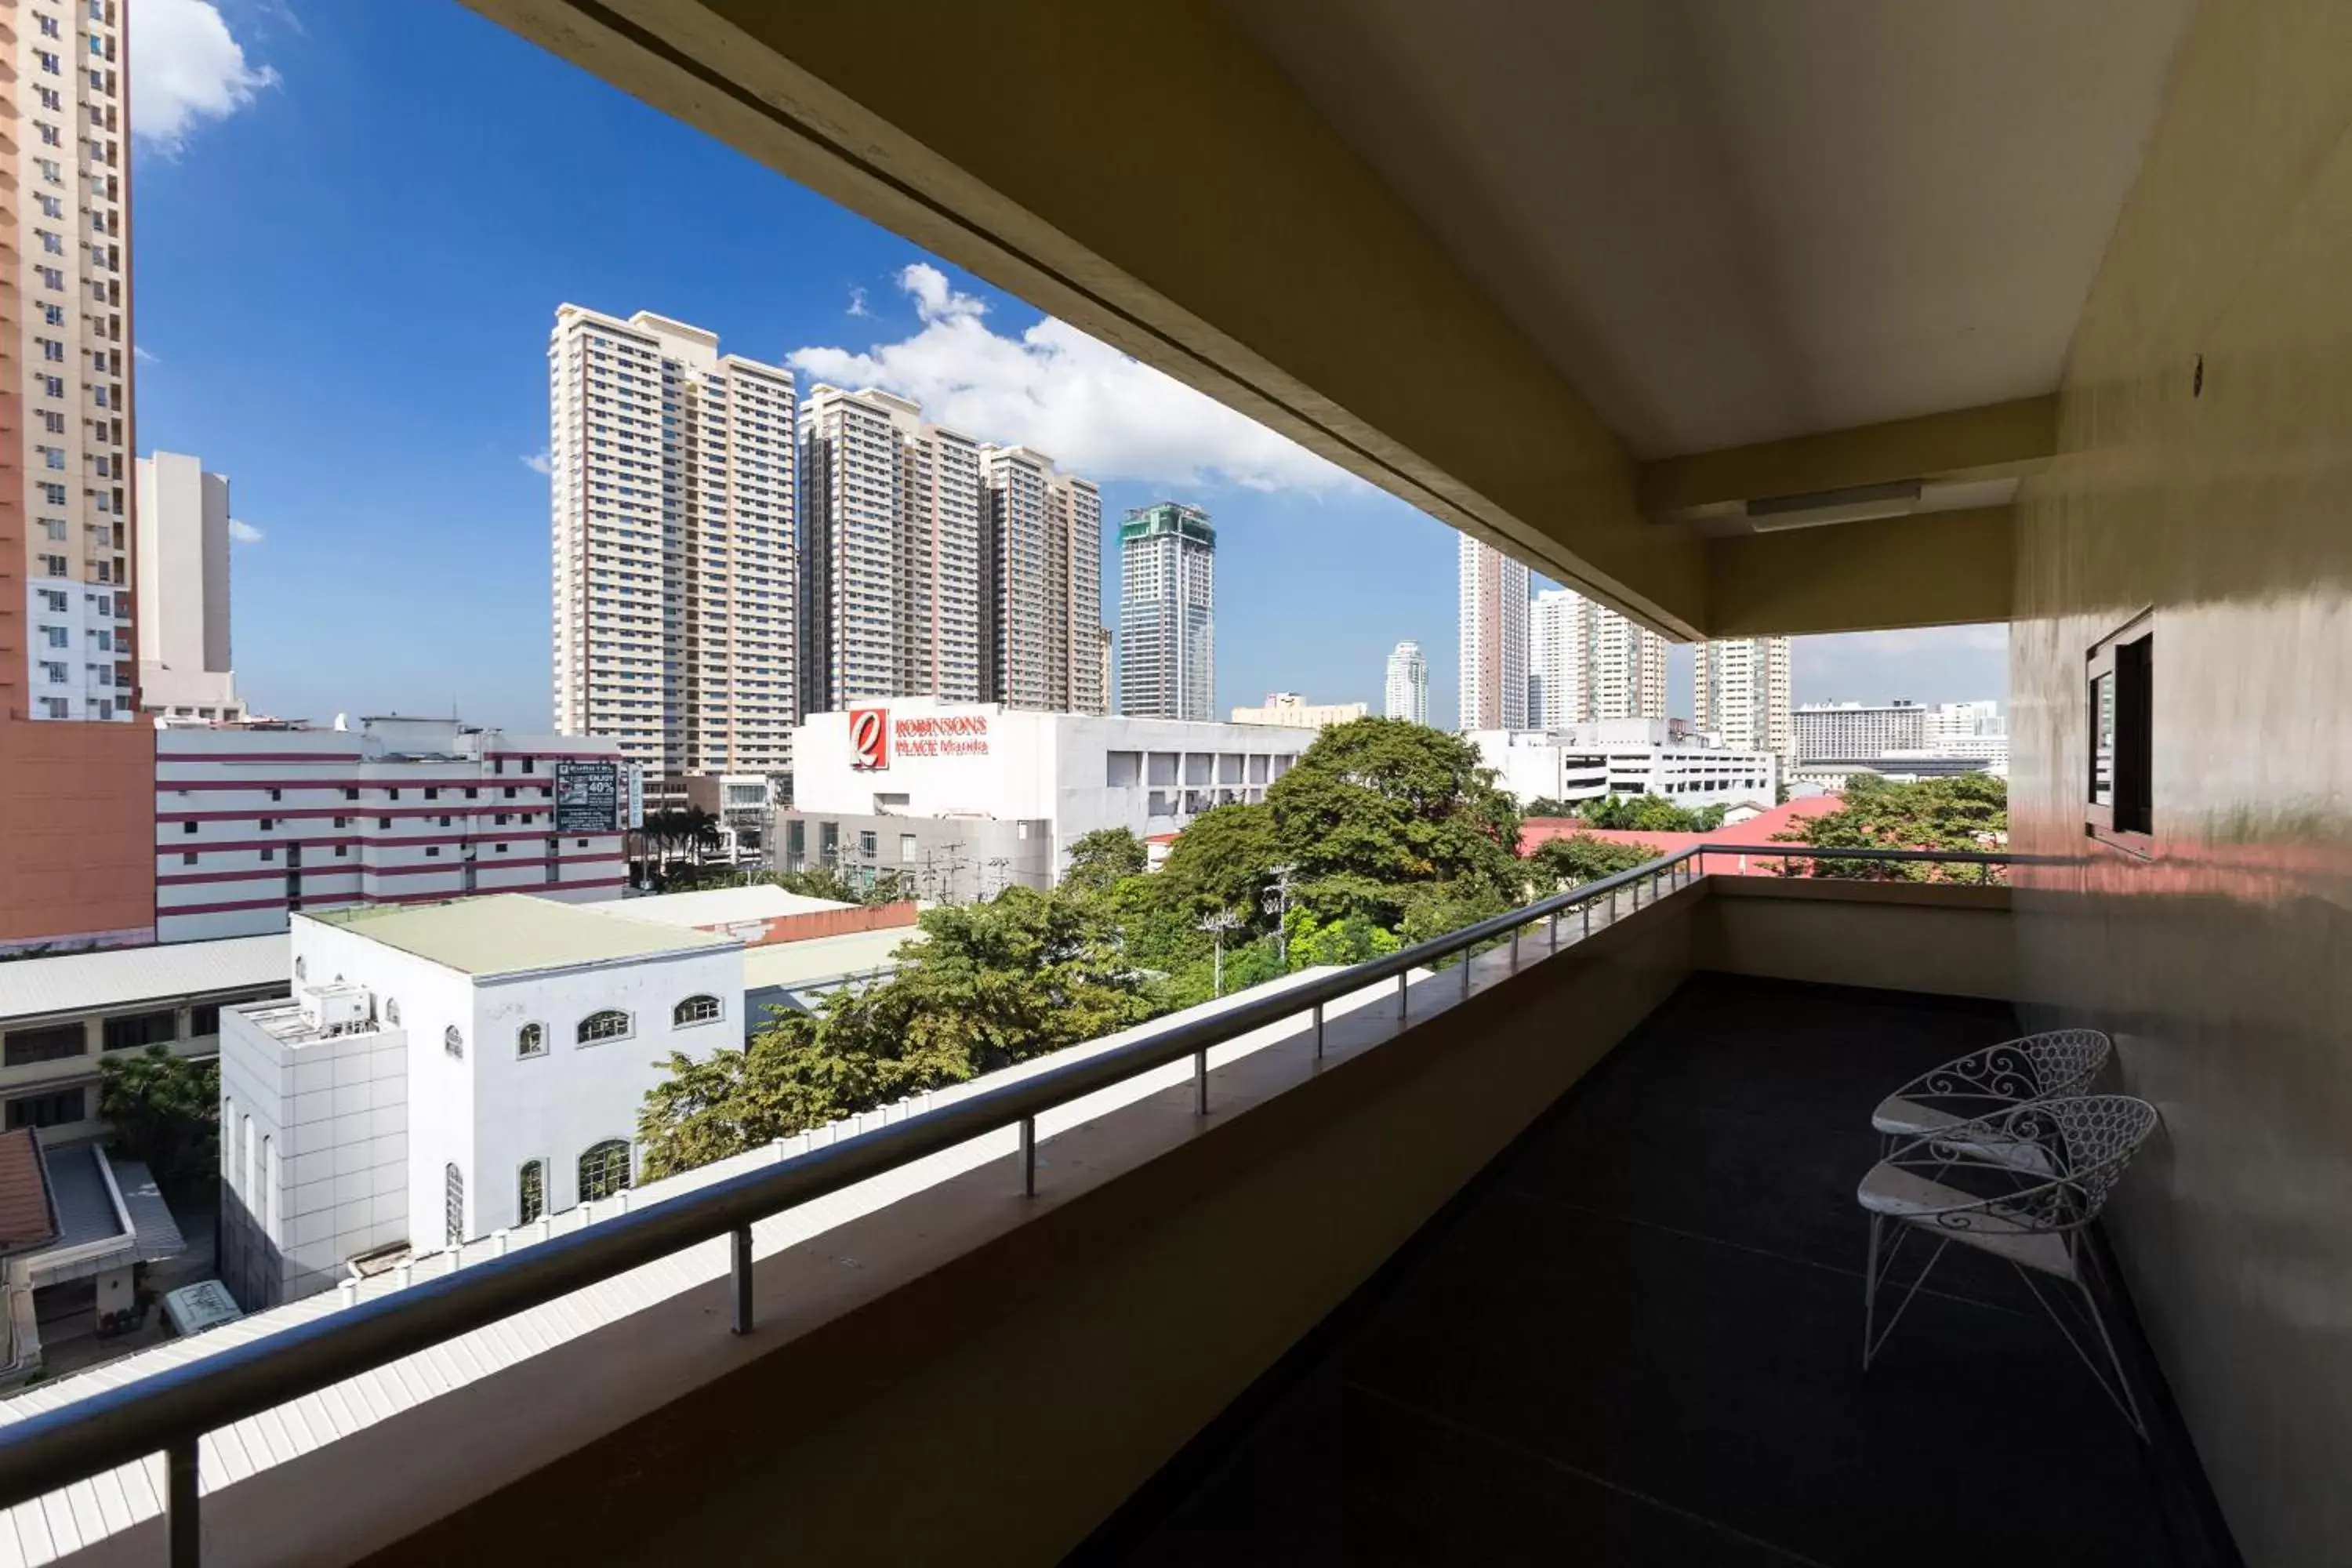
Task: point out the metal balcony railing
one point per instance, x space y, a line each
170 1411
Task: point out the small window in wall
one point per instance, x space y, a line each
392 1011
137 1029
51 1043
609 1025
2121 672
59 1109
531 1040
204 1019
696 1010
453 1040
604 1170
530 1191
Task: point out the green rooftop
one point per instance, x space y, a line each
514 933
1168 517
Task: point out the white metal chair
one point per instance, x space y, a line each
2023 1184
1991 1079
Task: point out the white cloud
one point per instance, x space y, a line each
540 462
144 356
1093 409
857 303
186 69
243 531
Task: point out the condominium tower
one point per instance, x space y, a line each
1592 664
935 565
673 496
1041 600
1408 683
70 295
1740 692
1166 613
77 865
1492 639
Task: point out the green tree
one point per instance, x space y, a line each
1221 860
1968 812
1022 976
1378 814
1548 806
1349 939
1100 860
165 1111
1647 814
1578 858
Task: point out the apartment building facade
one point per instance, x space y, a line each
673 469
1168 613
1849 729
73 763
1494 638
252 825
936 564
1740 692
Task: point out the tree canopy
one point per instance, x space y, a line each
1580 858
1968 811
165 1109
1020 977
1098 859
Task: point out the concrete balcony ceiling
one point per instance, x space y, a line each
1585 279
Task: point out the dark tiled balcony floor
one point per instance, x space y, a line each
1637 1340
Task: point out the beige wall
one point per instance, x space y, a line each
1902 936
2221 966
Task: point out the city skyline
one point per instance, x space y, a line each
334 501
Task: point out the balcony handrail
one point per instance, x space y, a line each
172 1410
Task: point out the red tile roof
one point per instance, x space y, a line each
25 1218
1758 830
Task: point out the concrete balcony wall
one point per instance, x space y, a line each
1937 938
2205 453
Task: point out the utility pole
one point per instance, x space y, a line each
1217 925
1278 904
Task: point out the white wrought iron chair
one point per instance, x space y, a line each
2023 1184
1991 1079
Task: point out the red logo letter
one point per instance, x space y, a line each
869 738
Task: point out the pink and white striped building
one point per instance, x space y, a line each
252 822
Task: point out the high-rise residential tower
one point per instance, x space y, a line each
674 594
77 867
934 564
892 514
1493 639
183 573
69 301
1408 684
1740 692
1590 663
1166 613
1553 666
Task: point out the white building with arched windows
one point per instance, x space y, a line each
443 1071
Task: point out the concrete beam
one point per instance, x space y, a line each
1997 440
1146 173
1936 568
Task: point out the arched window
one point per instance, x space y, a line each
454 1042
392 1011
604 1170
531 1040
530 1191
301 969
453 1205
612 1023
696 1010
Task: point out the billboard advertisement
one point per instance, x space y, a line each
588 795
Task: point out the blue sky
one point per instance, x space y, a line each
348 257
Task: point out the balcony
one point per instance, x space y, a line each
1599 1179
